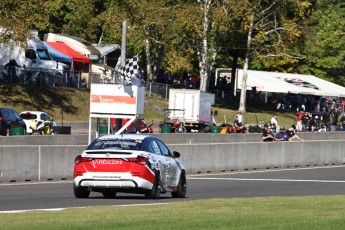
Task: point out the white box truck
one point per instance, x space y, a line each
18 63
191 109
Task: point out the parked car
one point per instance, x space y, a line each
129 163
33 118
10 119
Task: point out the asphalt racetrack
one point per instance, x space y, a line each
313 181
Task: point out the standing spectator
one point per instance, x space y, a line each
291 134
267 134
11 67
305 121
312 126
142 75
326 118
299 115
274 123
166 77
281 135
334 115
342 121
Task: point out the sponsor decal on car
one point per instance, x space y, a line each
107 177
106 162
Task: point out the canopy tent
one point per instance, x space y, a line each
56 55
65 49
289 83
110 53
79 61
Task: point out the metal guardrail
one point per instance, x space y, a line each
40 77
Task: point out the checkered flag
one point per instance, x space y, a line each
130 69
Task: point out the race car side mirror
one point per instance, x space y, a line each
176 154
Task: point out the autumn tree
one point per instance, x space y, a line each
270 26
148 26
19 17
325 42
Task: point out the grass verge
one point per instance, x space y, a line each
317 212
74 105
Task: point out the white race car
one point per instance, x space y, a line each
129 163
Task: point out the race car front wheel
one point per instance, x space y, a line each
181 188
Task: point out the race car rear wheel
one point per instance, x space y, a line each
155 192
80 192
181 188
109 194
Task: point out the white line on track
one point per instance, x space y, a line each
61 209
35 183
192 176
129 205
31 210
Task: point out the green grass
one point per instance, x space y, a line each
324 212
75 105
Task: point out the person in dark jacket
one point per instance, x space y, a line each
326 118
281 135
267 134
291 134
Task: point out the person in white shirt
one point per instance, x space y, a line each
239 118
274 123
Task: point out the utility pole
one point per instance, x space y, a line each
123 44
123 60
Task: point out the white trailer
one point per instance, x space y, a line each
193 108
34 59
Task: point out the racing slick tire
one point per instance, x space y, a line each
80 192
155 192
181 188
109 194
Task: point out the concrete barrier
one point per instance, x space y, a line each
57 162
170 138
45 163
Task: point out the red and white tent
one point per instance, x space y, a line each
79 61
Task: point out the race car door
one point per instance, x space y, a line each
167 163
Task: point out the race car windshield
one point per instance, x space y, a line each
121 144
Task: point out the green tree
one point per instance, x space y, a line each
271 26
325 43
74 17
148 23
19 17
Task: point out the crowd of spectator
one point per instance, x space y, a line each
187 80
324 120
283 134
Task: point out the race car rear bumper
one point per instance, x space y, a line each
110 182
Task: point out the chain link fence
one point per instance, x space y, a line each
54 78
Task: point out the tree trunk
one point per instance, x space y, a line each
242 107
233 70
204 65
148 60
158 61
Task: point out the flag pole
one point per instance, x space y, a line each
123 60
